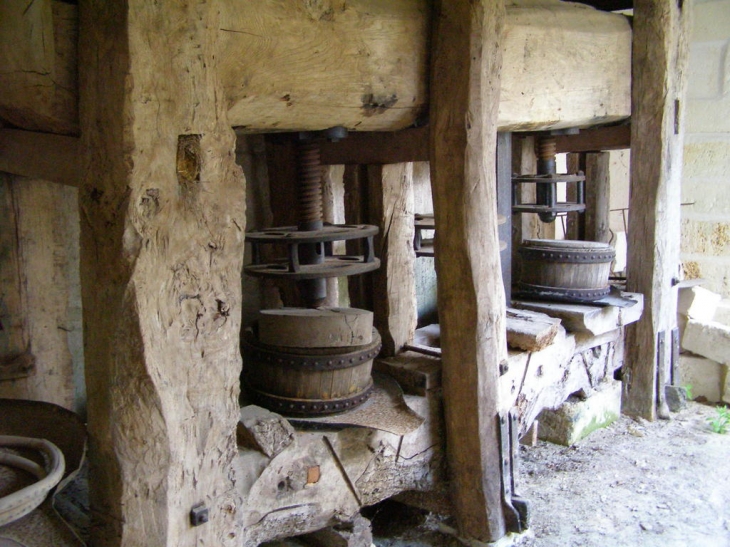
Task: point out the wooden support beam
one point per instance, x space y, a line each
465 83
504 209
575 221
394 290
355 181
36 261
598 197
609 5
403 146
162 222
55 158
612 137
659 60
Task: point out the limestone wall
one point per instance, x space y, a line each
706 178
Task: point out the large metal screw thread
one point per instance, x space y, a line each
546 194
309 204
310 187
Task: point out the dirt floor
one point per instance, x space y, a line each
635 483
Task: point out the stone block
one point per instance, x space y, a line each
676 397
708 339
706 237
706 61
711 21
722 313
708 116
576 419
726 387
713 269
263 430
708 196
704 375
698 303
706 158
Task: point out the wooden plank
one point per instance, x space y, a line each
659 61
595 139
407 145
416 373
54 158
584 318
530 331
598 197
394 290
465 82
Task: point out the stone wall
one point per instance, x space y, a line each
706 177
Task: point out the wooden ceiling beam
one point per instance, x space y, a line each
596 139
45 156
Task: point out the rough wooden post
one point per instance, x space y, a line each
575 222
465 84
598 197
162 221
359 287
659 59
394 290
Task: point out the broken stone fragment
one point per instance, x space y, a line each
263 430
709 339
698 303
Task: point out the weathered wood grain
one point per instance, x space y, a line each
530 331
55 158
162 207
35 286
288 66
659 61
598 197
312 65
595 139
394 292
465 83
588 71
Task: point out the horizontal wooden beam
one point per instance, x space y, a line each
54 158
608 5
597 139
378 148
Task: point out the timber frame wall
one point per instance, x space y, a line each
161 203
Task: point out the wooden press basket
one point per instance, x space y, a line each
565 270
317 381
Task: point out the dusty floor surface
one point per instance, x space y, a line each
636 483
